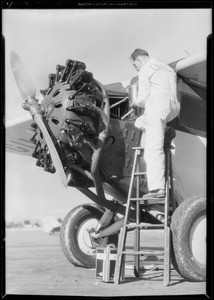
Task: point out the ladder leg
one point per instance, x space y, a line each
123 231
137 230
120 259
137 248
172 198
167 233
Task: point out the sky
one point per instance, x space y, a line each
104 40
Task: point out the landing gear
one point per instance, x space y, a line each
77 243
189 239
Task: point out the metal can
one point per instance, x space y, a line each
105 263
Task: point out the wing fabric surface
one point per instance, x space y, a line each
18 135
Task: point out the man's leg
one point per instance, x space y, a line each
154 154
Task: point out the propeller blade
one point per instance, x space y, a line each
53 152
28 92
24 82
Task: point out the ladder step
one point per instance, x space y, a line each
137 148
139 173
142 252
150 200
143 225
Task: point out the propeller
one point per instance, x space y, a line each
28 91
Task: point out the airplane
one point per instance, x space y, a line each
84 132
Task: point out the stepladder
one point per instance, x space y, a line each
140 202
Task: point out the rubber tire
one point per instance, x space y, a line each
69 231
182 221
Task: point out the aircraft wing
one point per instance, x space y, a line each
18 135
193 69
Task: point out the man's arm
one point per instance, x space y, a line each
144 86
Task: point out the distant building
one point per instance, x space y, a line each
27 224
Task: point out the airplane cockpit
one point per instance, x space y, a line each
120 101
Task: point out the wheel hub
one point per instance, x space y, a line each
198 240
86 243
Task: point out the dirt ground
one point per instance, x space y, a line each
35 265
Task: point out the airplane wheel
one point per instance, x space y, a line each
189 239
75 240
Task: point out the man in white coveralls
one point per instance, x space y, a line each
157 94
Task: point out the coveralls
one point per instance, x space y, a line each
157 94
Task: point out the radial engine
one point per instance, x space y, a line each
76 112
